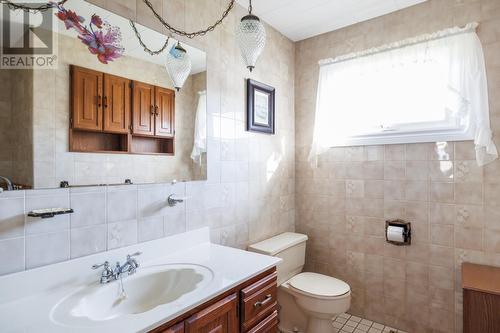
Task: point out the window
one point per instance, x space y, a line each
431 88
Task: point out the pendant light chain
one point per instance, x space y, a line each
194 33
250 7
146 48
41 8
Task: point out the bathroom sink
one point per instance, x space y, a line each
149 288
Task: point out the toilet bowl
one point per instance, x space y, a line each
321 297
308 301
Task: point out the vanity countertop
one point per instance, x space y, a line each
29 300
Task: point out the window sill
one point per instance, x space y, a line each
399 138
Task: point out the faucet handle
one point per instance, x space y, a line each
105 264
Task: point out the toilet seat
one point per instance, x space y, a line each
318 285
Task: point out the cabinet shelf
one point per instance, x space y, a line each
152 145
98 142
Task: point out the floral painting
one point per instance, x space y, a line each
99 36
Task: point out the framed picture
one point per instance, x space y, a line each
260 107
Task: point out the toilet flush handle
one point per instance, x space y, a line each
266 300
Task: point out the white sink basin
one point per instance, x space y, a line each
149 288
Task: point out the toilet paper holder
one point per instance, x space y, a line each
406 226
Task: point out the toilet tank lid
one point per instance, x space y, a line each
276 244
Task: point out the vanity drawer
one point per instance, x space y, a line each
268 325
258 301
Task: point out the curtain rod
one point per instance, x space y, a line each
470 27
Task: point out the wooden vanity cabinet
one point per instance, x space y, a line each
258 301
178 328
250 307
268 325
220 317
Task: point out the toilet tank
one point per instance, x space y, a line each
289 246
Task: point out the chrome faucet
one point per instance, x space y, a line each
172 201
107 274
129 267
10 186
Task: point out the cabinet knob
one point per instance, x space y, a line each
105 101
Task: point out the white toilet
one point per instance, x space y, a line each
308 301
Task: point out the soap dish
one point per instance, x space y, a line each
49 212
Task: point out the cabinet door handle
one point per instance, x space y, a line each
99 100
105 101
156 110
152 110
266 300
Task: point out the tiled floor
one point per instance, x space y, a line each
345 323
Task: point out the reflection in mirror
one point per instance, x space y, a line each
85 122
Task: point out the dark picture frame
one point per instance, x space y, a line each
260 107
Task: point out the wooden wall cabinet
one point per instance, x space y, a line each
116 104
86 101
143 114
153 110
164 112
112 114
481 304
250 307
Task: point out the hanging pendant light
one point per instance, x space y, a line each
178 65
251 38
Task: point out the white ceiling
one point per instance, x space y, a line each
301 19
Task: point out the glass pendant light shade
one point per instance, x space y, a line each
251 38
178 65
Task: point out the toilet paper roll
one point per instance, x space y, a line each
395 234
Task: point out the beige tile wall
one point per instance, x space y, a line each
249 194
453 205
250 176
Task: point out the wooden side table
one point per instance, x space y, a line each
481 291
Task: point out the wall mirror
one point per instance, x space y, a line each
84 122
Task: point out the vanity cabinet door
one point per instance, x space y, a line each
86 99
116 104
143 113
164 112
221 317
179 328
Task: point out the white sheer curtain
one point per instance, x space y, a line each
429 83
200 128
